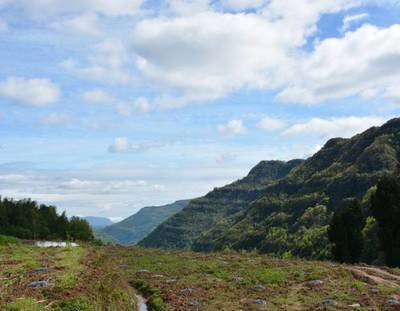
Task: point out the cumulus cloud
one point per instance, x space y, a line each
33 92
86 24
350 20
363 63
270 123
214 52
334 127
232 128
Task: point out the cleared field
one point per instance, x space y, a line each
105 278
70 278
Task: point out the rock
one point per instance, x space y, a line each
393 302
194 304
259 287
187 290
41 270
374 290
124 266
158 276
170 281
143 271
237 279
260 302
355 305
329 302
315 283
38 284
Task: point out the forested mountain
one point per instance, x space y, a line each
215 209
26 219
287 213
134 228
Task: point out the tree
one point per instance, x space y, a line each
386 210
345 233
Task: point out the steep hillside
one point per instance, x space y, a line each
136 227
290 213
212 210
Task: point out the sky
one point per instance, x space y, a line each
109 106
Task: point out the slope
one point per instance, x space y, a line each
136 227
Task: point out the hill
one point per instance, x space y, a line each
136 227
98 222
214 209
287 213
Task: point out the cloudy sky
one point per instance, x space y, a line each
108 106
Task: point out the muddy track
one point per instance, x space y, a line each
376 276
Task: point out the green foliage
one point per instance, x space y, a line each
8 240
24 304
386 210
345 233
370 253
76 304
26 219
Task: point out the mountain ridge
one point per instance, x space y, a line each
315 187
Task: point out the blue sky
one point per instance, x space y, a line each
109 106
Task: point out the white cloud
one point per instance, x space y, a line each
270 124
212 53
238 5
87 24
232 128
349 20
49 8
363 63
97 96
33 92
108 62
334 127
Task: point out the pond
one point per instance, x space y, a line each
46 244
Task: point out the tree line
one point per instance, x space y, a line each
369 233
26 219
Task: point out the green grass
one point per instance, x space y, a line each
24 304
4 240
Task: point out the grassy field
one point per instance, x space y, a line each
104 278
79 278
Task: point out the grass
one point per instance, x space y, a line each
91 278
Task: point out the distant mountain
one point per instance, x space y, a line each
136 227
98 222
284 208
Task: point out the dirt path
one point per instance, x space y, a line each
374 275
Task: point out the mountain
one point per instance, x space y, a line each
98 222
214 209
136 227
286 213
